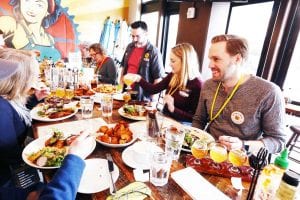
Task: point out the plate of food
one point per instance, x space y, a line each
45 113
49 151
83 91
106 88
192 134
118 96
134 112
115 136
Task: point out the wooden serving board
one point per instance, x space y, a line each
224 169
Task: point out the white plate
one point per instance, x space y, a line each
35 116
123 114
96 177
202 135
38 144
118 96
134 137
128 158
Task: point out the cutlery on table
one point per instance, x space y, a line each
112 188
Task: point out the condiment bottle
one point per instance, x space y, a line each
270 177
288 186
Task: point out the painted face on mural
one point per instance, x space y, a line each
34 10
139 37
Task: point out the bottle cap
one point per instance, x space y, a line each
291 178
282 160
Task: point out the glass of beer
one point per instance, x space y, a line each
126 97
69 92
199 149
238 157
218 152
60 92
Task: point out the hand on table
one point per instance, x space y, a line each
79 146
169 100
231 142
41 93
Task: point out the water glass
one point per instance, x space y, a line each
159 168
174 140
106 105
87 105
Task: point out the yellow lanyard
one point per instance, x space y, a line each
172 90
226 102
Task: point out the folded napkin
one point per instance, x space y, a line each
135 190
196 185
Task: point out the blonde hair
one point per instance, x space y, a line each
15 88
189 65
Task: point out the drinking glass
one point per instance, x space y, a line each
218 152
199 149
159 168
128 80
126 97
60 92
106 105
238 157
174 141
87 105
69 92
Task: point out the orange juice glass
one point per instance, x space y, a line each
237 157
218 152
199 149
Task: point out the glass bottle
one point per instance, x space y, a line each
288 186
269 179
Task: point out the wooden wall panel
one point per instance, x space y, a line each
194 31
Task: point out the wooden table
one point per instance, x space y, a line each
169 191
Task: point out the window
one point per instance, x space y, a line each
251 26
173 28
152 22
291 85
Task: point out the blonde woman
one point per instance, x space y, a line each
182 85
18 72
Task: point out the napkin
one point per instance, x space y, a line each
196 185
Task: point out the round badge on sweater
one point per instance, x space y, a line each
237 117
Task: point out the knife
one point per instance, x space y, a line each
111 169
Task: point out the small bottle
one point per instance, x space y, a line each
270 177
288 186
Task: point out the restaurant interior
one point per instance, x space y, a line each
129 157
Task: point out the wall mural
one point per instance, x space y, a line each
38 24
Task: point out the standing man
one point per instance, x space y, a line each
239 108
142 58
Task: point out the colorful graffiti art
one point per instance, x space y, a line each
42 25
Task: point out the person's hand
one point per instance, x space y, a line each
169 100
41 93
133 77
231 142
80 146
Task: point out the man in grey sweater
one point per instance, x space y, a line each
238 108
